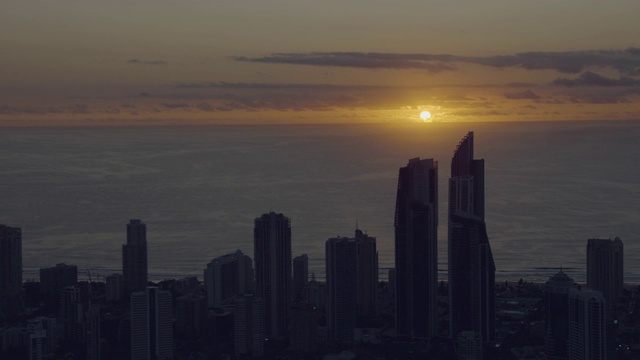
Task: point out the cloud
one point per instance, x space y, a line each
592 79
147 62
357 60
175 105
626 61
527 94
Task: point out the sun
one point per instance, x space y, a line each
425 115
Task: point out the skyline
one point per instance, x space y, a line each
169 62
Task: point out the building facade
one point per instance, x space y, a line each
341 270
300 277
471 265
151 325
587 325
10 270
605 270
556 300
416 249
272 256
228 276
134 257
249 331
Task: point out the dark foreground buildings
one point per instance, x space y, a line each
416 250
134 257
471 266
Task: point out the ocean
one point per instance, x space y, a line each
550 186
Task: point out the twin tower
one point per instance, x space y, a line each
470 262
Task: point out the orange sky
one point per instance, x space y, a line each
253 61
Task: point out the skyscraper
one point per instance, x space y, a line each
605 270
366 274
300 277
341 288
10 270
151 325
471 266
416 249
134 257
228 276
556 300
272 256
587 325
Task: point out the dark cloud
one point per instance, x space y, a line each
175 105
147 62
269 86
527 94
592 79
626 61
430 63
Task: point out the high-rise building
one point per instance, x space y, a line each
151 325
134 257
53 280
248 315
341 288
556 300
366 274
272 256
587 325
192 314
10 270
114 287
416 249
471 266
304 328
228 276
605 270
300 277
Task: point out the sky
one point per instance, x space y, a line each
88 62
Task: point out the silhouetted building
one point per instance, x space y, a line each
304 328
272 256
74 302
192 314
587 325
416 249
300 277
114 287
151 325
10 270
249 331
605 270
471 266
317 293
92 326
134 257
341 288
557 315
54 280
228 276
43 337
366 274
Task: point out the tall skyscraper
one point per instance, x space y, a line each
341 288
416 249
272 256
228 276
605 270
10 270
366 274
300 277
587 325
151 325
471 266
556 300
134 257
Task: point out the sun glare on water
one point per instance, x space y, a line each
425 116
